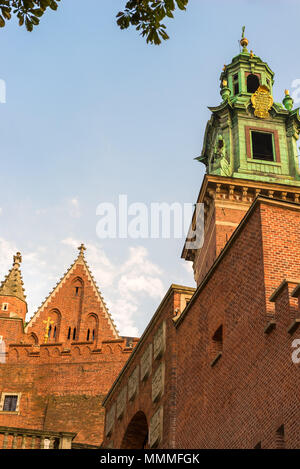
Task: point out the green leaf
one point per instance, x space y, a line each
37 12
28 24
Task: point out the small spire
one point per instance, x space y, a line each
244 41
81 250
13 283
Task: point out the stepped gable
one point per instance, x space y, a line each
73 302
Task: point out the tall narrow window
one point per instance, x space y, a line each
235 82
54 332
93 335
280 443
49 332
10 403
4 306
88 335
69 333
252 83
76 291
218 339
74 333
217 345
262 146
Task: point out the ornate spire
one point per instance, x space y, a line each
244 41
13 283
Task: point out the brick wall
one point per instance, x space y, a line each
252 389
132 428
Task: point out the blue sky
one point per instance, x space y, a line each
93 112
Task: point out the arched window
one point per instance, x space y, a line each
69 333
54 332
74 333
78 287
88 335
49 332
252 83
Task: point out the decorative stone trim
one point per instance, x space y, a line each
146 363
159 343
110 420
133 384
156 428
121 403
158 382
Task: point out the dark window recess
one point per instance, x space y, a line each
252 83
236 88
218 340
56 443
49 331
76 291
93 335
10 403
54 332
69 333
262 146
88 335
280 437
74 334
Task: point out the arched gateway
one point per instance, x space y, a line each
136 435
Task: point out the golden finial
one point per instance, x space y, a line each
251 54
286 92
244 41
224 68
81 249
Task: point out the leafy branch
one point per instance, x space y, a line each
28 12
147 17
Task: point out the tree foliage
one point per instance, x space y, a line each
146 15
28 12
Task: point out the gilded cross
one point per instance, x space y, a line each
48 324
81 249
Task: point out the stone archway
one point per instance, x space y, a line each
136 435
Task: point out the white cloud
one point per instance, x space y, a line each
188 266
7 251
74 207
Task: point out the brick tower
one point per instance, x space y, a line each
13 306
250 148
